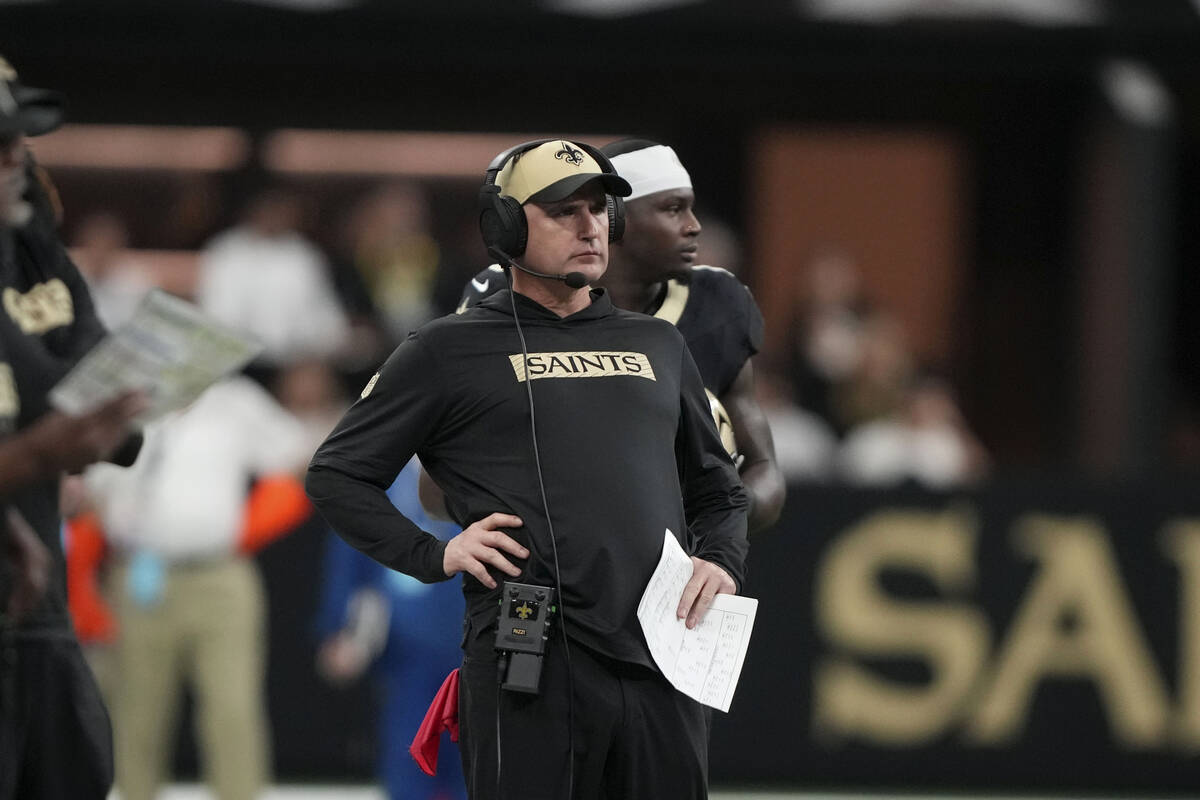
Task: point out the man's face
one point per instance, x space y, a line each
12 174
570 235
660 233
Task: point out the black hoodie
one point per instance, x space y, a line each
627 445
47 323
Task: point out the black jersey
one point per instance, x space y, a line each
47 323
626 443
713 310
37 352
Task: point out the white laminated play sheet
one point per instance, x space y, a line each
168 348
705 662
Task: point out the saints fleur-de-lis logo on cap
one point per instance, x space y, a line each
570 154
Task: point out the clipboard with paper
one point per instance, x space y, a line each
168 349
705 662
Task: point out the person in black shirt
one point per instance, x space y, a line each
651 270
55 738
620 436
56 443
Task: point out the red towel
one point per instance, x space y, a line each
441 716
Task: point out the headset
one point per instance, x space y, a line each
502 219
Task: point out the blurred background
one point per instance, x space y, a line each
971 227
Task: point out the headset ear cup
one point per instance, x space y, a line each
491 227
516 227
502 221
616 218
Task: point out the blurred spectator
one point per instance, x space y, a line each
926 441
265 278
312 392
719 246
407 631
877 386
804 443
460 262
189 603
394 254
826 348
194 211
116 280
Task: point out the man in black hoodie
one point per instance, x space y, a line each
566 446
651 270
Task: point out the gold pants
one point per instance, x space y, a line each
207 630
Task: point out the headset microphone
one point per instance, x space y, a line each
576 280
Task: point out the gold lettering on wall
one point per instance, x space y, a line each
857 618
1075 621
1181 542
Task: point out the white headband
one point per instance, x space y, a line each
650 170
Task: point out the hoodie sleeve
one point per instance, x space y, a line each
351 471
713 496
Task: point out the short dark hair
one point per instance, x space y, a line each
622 146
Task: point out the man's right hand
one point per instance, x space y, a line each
480 545
65 443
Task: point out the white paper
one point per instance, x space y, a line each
705 662
168 348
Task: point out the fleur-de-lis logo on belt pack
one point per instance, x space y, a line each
570 154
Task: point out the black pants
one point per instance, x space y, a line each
634 735
55 737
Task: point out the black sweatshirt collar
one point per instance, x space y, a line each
532 311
